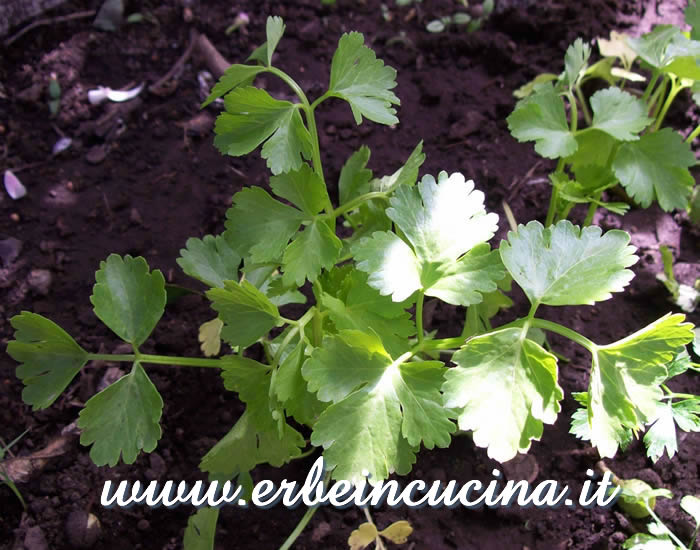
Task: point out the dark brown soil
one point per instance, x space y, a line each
157 185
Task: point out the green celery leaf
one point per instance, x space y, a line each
211 260
235 75
661 436
358 306
656 166
291 388
382 408
303 188
692 18
358 77
642 541
651 47
541 118
251 117
245 446
355 176
406 175
619 114
576 61
617 46
504 388
274 28
594 148
624 388
316 247
246 312
122 419
686 414
201 529
268 280
50 358
566 265
691 505
254 214
447 226
127 298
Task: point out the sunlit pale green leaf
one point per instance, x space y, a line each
446 224
274 30
201 529
358 77
50 358
656 167
617 46
566 265
122 419
624 388
504 388
235 75
210 337
576 61
691 504
246 312
211 260
127 298
541 118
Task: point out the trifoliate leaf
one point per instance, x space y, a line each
363 536
442 220
382 408
358 306
210 337
127 298
235 75
50 358
255 213
358 77
656 167
122 419
245 446
201 529
398 532
566 265
691 505
504 388
619 113
594 148
211 260
355 176
624 387
304 188
246 312
251 117
316 247
651 47
576 61
541 118
274 29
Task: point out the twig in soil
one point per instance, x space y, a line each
216 62
49 21
164 85
518 182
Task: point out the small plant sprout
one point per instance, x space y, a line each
353 370
620 138
367 533
684 296
4 477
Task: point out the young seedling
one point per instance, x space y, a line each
4 477
367 533
363 379
622 140
684 296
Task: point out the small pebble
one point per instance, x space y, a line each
39 280
143 525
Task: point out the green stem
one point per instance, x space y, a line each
650 86
673 537
306 518
419 317
158 360
378 540
357 201
566 332
311 123
291 334
695 133
554 197
584 107
676 87
574 112
591 211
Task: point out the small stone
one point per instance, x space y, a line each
143 525
9 250
15 217
82 529
39 280
96 154
135 217
321 531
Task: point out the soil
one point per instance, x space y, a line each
143 180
